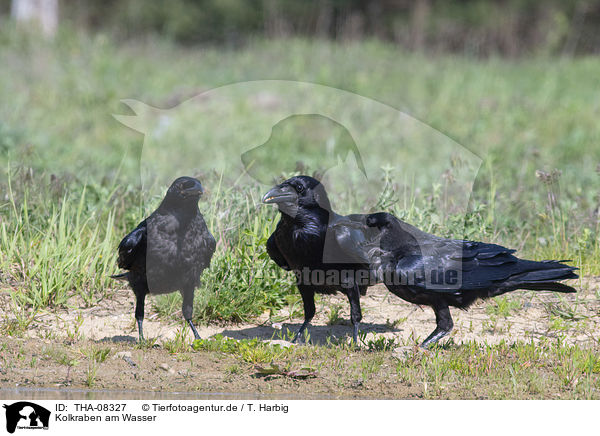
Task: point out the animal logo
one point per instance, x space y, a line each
27 415
371 156
297 141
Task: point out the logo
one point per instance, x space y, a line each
366 155
26 415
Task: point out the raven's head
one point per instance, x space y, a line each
300 192
185 189
379 220
394 235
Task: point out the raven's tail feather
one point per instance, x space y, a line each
545 278
550 286
122 276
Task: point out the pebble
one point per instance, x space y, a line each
167 368
122 355
126 356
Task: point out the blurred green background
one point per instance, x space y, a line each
477 27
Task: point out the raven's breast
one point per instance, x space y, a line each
176 256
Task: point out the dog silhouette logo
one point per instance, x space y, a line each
26 415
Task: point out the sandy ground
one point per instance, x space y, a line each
31 365
535 316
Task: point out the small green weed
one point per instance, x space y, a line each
248 350
503 306
179 343
334 314
380 343
95 356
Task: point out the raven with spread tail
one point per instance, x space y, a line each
313 241
428 270
168 251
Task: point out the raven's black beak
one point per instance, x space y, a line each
281 194
195 191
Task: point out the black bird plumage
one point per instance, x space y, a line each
307 239
168 251
429 270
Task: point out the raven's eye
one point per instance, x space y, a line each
300 189
187 184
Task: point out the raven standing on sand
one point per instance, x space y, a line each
323 260
428 270
168 251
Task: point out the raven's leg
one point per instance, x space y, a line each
187 308
353 294
308 298
444 323
140 298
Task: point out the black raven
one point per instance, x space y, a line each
168 251
428 270
322 260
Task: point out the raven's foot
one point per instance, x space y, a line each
355 334
435 336
300 337
196 335
141 339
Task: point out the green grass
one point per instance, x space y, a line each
46 254
548 369
502 306
248 350
519 370
95 357
70 187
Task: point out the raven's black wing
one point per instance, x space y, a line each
133 247
208 246
444 265
427 262
456 266
354 240
275 254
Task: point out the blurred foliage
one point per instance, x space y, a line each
479 27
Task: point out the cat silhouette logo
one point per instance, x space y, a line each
26 415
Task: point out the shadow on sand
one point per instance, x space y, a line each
318 333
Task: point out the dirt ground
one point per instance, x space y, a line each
383 314
130 368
